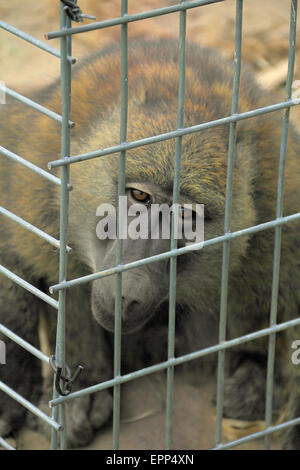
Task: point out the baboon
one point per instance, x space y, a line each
152 110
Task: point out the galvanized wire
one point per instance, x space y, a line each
130 18
227 219
121 218
278 229
30 166
27 404
31 228
5 444
173 134
58 414
64 215
26 285
35 42
41 109
176 252
173 260
179 360
24 344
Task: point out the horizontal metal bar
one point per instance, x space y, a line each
5 444
27 404
175 252
259 434
16 158
36 169
129 18
172 134
33 104
177 361
33 229
24 344
26 285
33 40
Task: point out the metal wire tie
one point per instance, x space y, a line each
74 12
67 378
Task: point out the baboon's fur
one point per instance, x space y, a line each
153 80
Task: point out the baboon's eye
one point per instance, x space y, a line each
140 196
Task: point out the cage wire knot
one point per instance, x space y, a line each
67 378
74 12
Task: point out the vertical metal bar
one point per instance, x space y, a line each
64 207
278 229
121 192
173 260
227 221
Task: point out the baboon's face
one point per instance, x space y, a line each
149 181
147 233
145 288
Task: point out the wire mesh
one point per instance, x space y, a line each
57 421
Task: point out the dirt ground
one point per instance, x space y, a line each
143 421
25 68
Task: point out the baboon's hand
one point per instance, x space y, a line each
84 415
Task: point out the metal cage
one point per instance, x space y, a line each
58 402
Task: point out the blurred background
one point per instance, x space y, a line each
26 68
265 35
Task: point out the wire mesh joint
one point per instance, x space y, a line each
65 376
74 12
